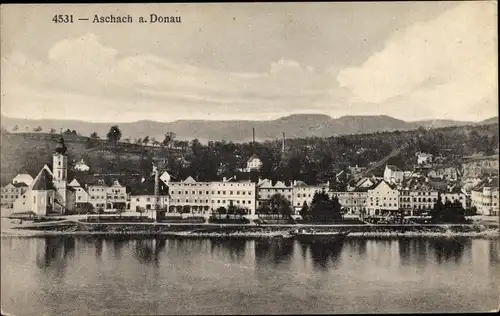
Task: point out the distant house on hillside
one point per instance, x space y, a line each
254 163
424 158
81 166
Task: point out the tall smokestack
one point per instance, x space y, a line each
283 144
253 136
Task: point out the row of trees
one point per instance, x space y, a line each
448 212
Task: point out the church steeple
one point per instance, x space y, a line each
61 147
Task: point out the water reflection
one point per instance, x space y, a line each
273 251
412 251
54 252
148 251
236 248
149 274
449 249
325 254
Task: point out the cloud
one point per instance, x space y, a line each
449 62
93 74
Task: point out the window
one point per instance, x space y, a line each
249 202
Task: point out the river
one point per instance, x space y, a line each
65 275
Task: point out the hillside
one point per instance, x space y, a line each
295 126
308 159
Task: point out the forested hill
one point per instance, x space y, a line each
295 126
310 159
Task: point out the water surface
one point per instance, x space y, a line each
63 275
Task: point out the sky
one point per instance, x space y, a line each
255 61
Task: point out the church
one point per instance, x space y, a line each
49 193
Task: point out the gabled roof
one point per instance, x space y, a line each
74 183
43 181
189 180
254 156
280 185
392 168
148 188
300 184
116 184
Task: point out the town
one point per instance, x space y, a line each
355 193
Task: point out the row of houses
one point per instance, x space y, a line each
51 192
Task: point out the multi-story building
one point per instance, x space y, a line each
11 192
116 196
266 189
354 202
204 197
143 197
417 198
485 197
190 195
238 193
98 194
455 194
382 199
303 193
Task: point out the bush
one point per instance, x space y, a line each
179 219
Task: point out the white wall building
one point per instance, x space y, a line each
485 198
382 199
265 190
393 174
81 166
238 193
23 178
254 163
304 193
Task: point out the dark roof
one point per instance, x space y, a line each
393 168
44 181
148 188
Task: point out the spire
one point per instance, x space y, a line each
61 147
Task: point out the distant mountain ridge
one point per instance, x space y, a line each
294 126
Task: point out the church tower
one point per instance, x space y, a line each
60 172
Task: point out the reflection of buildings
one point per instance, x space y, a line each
273 252
447 250
148 250
54 251
325 255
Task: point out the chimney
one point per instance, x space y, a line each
283 145
253 136
224 179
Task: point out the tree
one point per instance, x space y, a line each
127 140
37 129
120 208
15 128
280 205
140 210
145 140
73 132
94 135
169 139
114 134
52 130
304 211
324 209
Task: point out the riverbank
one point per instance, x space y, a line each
251 231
